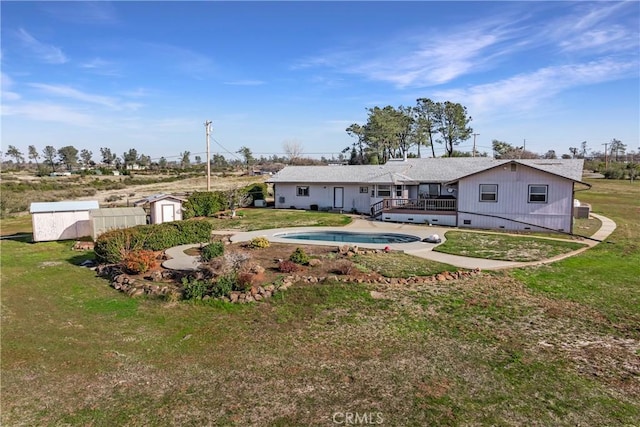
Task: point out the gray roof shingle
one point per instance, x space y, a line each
418 170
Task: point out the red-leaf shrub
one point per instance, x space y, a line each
287 266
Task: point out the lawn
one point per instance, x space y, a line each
552 345
262 219
504 247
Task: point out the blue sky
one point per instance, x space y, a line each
147 75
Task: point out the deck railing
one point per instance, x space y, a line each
445 205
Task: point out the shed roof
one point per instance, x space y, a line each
418 170
157 197
65 206
111 212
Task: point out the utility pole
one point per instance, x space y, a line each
473 154
606 155
207 126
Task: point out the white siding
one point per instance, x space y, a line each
49 226
286 196
156 210
513 200
418 218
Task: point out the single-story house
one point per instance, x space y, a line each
61 220
102 220
475 192
162 207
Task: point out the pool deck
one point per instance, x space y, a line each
420 249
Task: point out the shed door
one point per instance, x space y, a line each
168 213
338 197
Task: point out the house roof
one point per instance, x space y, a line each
112 212
411 171
64 206
156 197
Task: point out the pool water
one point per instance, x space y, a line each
351 237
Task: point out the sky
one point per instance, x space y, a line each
147 75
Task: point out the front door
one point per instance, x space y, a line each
338 197
168 213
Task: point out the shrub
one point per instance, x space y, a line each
211 251
344 267
137 262
204 203
259 243
287 266
257 191
245 281
113 245
299 256
224 285
194 288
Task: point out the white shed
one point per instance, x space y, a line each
106 219
162 207
61 220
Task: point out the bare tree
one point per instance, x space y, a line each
293 150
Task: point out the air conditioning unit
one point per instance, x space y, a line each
259 203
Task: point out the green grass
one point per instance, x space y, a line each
504 247
605 277
262 219
553 345
398 264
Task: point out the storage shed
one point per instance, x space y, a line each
162 207
61 220
106 219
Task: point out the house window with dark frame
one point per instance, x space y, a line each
302 191
398 190
488 192
364 189
384 191
428 191
538 193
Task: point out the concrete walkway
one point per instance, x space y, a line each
420 249
181 261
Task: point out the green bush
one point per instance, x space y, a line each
194 288
257 191
211 251
111 246
203 204
299 256
225 284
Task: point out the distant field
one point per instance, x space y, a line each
18 191
552 345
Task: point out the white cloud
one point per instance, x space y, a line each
101 67
45 52
71 93
5 85
526 91
43 111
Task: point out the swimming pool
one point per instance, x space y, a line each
350 237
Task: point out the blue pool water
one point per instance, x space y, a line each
351 237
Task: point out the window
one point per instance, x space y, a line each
514 167
488 192
302 191
538 193
364 189
398 190
428 191
384 191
